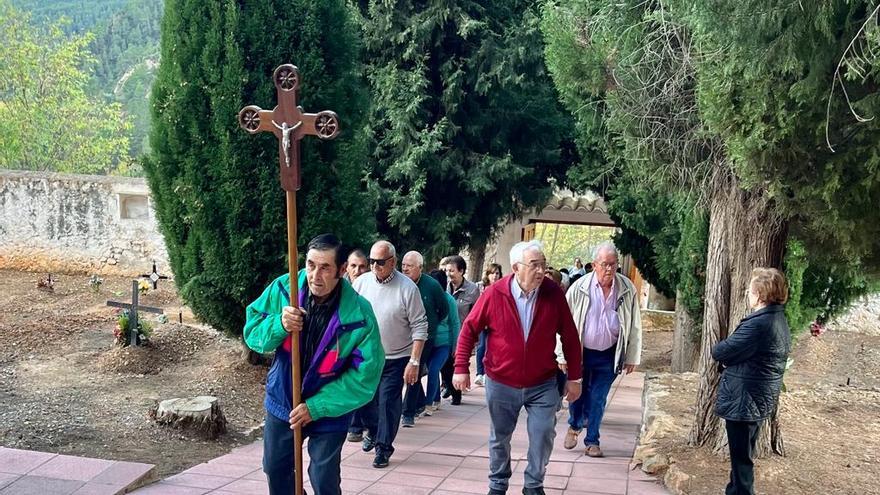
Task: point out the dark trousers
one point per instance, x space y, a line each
446 373
481 353
381 416
414 399
741 439
325 457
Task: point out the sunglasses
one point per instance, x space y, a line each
371 261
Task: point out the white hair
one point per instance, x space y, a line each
520 248
387 245
605 246
420 260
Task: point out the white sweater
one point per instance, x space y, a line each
399 312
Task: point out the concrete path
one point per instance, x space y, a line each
447 454
24 472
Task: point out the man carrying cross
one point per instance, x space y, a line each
341 361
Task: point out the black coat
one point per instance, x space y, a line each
754 357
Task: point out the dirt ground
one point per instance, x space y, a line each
830 413
66 388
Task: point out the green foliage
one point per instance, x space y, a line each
216 188
47 119
564 243
126 46
84 15
467 128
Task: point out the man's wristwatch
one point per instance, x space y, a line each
414 362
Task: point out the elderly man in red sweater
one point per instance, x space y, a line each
521 314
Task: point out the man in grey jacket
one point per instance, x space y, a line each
605 308
403 327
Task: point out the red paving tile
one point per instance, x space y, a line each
125 474
14 461
91 488
67 467
38 485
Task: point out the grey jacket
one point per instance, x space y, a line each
629 342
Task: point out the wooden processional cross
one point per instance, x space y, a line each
290 124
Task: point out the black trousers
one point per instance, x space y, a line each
741 438
446 373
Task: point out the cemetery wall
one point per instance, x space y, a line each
70 223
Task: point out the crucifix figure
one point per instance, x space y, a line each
290 124
133 309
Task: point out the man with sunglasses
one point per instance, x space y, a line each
605 307
403 326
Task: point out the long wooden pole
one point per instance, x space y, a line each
295 372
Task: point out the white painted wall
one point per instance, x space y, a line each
78 224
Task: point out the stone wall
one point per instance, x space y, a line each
78 224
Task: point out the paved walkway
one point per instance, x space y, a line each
23 472
447 454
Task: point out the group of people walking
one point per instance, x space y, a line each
368 336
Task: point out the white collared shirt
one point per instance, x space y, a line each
525 305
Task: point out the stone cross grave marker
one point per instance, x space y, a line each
154 277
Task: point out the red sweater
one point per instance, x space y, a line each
509 358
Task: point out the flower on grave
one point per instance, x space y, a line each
95 283
122 331
143 287
816 329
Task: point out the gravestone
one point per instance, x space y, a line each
133 307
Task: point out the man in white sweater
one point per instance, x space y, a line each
403 326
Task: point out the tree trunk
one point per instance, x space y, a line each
707 425
744 233
478 259
684 347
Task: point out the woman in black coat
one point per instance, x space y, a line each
754 359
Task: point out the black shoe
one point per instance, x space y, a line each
355 437
381 460
493 491
456 401
408 422
447 392
368 443
533 491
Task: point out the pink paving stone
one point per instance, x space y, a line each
646 488
92 488
414 480
251 461
442 460
381 488
615 487
605 471
169 489
247 487
68 467
425 468
466 486
7 478
354 486
16 461
126 474
258 475
464 473
38 485
362 474
217 469
559 468
199 481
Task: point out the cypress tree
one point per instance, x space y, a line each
467 127
216 188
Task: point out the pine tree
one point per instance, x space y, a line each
216 188
467 127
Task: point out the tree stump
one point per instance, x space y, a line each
201 414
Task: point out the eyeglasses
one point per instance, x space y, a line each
371 261
607 266
535 265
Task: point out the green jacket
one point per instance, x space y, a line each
345 371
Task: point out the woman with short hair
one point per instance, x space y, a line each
754 358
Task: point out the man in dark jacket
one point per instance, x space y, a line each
754 357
